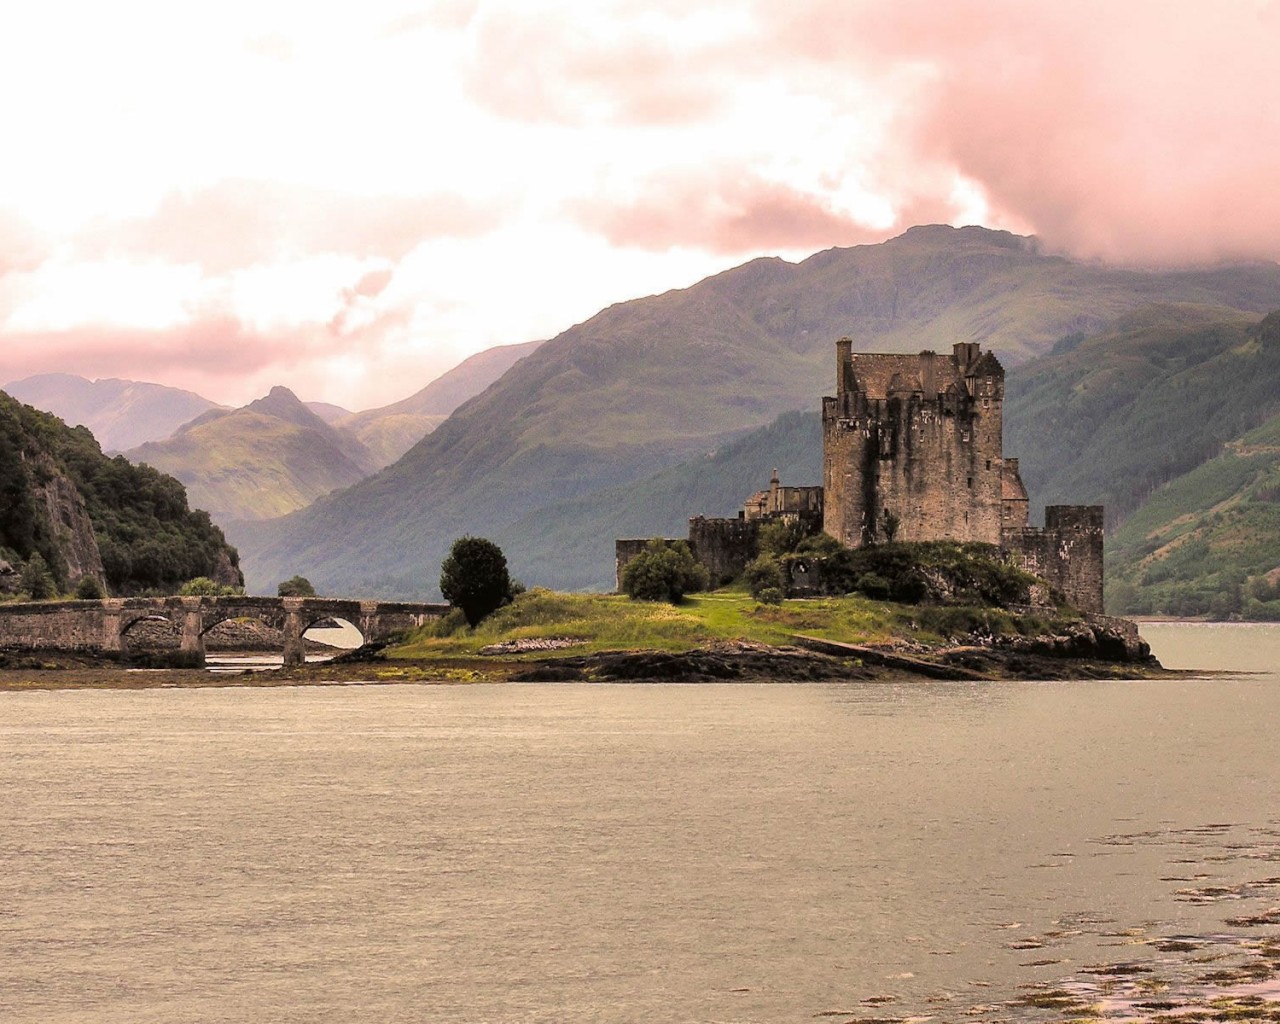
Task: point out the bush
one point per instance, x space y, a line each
37 580
296 586
202 586
765 573
770 595
474 578
663 572
90 589
779 537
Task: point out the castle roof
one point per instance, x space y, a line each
881 374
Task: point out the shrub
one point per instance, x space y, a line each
779 537
202 586
663 572
296 586
873 585
770 595
765 573
474 578
90 589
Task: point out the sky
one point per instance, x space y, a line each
349 198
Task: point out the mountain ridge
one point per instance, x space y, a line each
646 384
120 413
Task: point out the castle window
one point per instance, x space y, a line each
988 463
986 403
964 436
970 483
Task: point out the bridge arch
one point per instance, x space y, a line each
103 626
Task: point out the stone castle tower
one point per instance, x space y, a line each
913 447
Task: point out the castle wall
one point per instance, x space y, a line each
624 550
724 546
1067 552
935 463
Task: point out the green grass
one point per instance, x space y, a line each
606 622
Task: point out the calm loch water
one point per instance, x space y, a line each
641 853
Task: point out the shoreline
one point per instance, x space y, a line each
724 662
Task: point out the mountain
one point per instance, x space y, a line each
121 413
1208 543
89 515
328 412
713 483
268 458
392 430
647 384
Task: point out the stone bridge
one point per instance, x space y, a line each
101 627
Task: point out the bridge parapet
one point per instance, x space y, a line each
99 627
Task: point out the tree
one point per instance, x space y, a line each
663 572
89 588
474 578
296 586
37 580
889 524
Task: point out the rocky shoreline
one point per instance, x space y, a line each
1084 650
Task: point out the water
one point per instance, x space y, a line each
634 853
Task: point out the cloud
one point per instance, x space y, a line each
22 247
726 212
1138 132
639 66
238 223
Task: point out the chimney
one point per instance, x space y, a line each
844 357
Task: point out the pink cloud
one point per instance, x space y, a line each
1140 132
729 212
238 223
526 66
22 247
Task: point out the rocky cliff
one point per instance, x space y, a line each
88 516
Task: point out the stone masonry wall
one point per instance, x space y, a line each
934 463
68 626
724 546
1067 552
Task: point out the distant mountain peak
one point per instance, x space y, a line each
284 404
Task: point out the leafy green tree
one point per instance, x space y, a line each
89 588
296 586
764 573
779 537
474 578
663 572
37 580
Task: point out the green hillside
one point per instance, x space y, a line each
1110 419
271 457
648 384
573 541
390 431
89 515
1209 542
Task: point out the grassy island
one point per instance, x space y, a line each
727 634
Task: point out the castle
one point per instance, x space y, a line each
913 449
